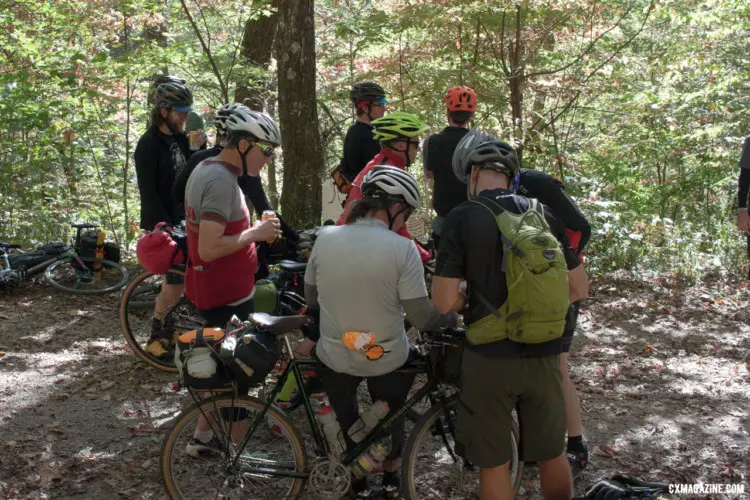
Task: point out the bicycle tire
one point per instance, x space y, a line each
425 427
117 268
215 405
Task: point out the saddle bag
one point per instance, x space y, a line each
197 358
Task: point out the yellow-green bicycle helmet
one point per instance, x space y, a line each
398 125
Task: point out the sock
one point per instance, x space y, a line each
203 436
391 479
359 484
575 444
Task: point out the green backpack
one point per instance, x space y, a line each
537 279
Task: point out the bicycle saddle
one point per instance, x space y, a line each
291 266
84 225
279 325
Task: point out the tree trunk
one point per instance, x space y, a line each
301 197
257 47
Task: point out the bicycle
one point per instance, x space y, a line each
64 269
237 466
139 297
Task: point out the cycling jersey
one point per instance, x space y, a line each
385 157
438 154
551 192
363 271
212 194
359 149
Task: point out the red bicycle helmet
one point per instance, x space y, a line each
461 99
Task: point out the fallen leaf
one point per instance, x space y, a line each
48 475
2 354
648 349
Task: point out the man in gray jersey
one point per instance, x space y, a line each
363 277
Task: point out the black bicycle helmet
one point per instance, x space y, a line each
173 94
478 148
167 79
367 92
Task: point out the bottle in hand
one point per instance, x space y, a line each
269 214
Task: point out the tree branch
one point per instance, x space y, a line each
586 51
207 51
205 24
593 72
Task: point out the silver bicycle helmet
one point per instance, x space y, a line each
478 148
259 125
394 182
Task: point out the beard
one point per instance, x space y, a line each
174 124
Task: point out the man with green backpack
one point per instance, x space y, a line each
505 260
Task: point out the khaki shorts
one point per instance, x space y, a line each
491 389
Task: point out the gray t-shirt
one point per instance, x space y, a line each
362 272
212 193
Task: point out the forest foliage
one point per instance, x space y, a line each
640 106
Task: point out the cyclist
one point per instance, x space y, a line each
220 277
399 134
551 193
460 103
525 375
251 186
160 156
369 102
389 282
743 220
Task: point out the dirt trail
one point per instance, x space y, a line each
662 372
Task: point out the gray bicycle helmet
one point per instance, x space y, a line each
367 92
222 115
478 148
393 182
173 94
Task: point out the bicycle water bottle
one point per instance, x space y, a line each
6 261
369 460
368 420
331 429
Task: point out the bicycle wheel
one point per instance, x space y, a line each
136 316
432 470
265 470
68 275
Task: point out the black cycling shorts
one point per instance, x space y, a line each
175 279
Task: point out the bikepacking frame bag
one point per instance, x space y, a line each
537 280
28 260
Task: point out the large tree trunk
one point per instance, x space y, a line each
257 47
256 83
301 195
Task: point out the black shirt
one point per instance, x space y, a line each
744 182
471 249
359 149
551 192
438 155
159 158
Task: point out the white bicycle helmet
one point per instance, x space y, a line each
223 114
392 181
259 125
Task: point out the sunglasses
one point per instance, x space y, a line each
267 150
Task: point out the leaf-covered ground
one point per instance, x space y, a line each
662 372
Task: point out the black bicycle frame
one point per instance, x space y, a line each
295 366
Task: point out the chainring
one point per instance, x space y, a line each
329 479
